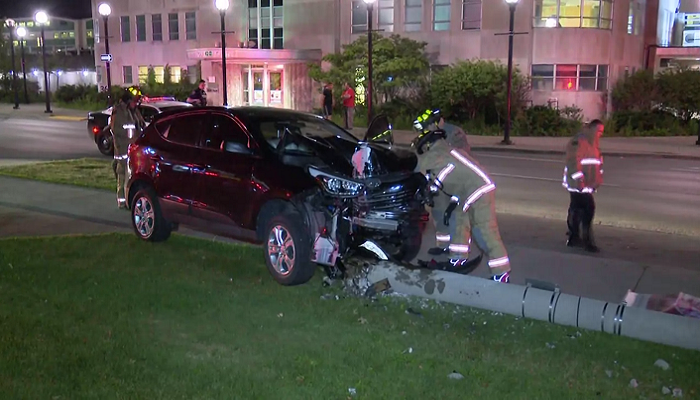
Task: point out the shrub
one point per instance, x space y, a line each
548 121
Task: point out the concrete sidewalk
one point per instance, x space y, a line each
35 208
37 110
679 147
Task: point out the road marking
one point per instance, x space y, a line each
689 169
537 178
521 158
68 118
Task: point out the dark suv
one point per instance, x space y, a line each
307 189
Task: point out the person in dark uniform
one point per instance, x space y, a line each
198 97
327 104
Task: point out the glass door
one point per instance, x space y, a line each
276 89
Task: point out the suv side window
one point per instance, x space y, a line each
183 129
225 135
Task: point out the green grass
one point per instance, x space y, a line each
110 317
86 172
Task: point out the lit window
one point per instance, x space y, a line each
413 16
630 19
160 74
471 14
547 77
359 16
441 15
143 74
386 15
595 14
125 28
175 74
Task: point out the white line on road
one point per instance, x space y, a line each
537 178
689 169
520 158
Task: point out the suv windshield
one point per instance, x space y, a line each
272 129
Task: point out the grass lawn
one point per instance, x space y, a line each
110 317
87 172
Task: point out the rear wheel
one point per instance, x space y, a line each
147 217
288 249
105 143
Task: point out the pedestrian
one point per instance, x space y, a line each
583 175
456 136
198 97
124 122
327 101
349 106
464 203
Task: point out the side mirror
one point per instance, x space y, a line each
238 148
380 131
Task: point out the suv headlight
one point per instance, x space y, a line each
336 185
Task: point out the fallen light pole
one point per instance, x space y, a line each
528 302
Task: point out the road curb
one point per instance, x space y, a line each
67 118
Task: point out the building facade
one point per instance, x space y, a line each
574 49
62 35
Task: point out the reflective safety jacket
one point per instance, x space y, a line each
456 173
583 172
456 137
126 121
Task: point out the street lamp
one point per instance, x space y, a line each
370 12
506 134
42 18
222 6
104 9
22 33
11 27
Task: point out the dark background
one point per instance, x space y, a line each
59 8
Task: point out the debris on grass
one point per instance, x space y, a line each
662 364
634 383
455 375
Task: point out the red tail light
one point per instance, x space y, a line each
95 129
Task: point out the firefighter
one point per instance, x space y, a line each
464 201
125 121
583 174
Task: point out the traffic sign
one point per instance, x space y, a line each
106 57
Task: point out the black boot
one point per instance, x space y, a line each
589 241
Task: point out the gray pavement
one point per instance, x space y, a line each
643 261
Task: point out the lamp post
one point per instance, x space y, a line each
21 34
222 6
42 18
370 30
105 10
506 133
11 27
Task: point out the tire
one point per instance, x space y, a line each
105 144
296 268
147 218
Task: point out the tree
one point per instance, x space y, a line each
637 92
151 77
467 90
167 77
679 90
400 65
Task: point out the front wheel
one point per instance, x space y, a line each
288 250
147 217
105 144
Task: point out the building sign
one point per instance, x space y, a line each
692 20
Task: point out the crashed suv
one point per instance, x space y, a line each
309 191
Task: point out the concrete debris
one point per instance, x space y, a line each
404 332
662 364
677 392
327 296
634 383
609 373
408 351
455 375
575 335
446 326
550 345
352 391
280 315
665 390
411 311
362 320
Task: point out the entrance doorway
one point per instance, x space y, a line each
262 85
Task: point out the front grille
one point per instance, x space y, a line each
391 198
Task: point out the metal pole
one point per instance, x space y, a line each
370 8
14 72
223 55
107 63
24 72
506 133
46 73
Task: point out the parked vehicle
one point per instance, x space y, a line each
305 188
97 121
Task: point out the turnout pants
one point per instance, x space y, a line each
119 166
581 213
478 223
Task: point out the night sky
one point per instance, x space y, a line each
60 8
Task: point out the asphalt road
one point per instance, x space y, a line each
643 193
